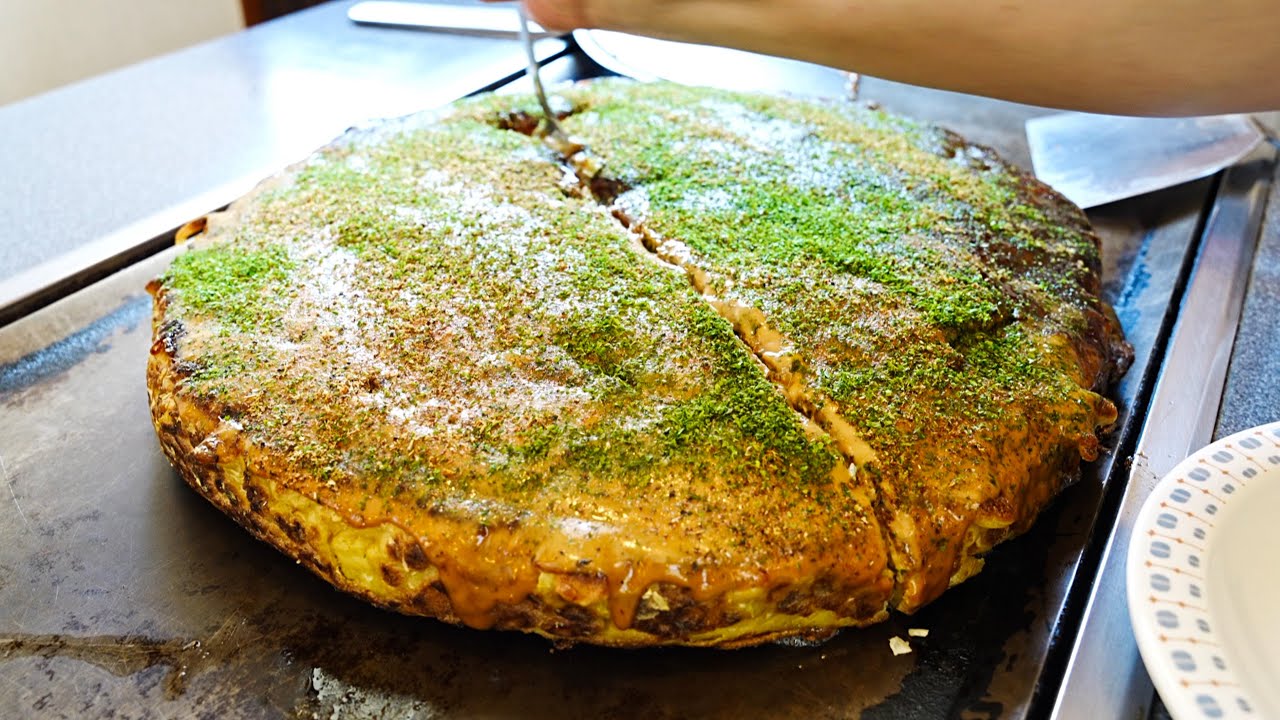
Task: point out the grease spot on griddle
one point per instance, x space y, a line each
1127 302
120 656
129 655
70 351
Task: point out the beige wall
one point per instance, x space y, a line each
47 43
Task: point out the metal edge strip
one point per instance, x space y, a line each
1105 677
46 283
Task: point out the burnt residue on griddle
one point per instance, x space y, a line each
292 647
70 351
122 656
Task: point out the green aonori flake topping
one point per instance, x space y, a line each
430 311
748 186
900 393
746 405
453 322
603 345
912 272
227 281
737 419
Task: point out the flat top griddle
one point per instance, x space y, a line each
123 594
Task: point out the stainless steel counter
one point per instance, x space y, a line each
123 594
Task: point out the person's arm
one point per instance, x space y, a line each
1119 56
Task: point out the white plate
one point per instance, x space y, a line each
1204 580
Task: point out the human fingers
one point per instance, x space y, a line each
561 15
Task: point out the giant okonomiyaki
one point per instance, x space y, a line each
776 369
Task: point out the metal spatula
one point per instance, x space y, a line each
464 19
1097 159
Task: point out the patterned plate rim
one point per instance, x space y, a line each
1165 574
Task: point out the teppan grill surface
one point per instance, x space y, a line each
124 594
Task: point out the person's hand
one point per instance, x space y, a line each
558 14
719 22
1117 56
